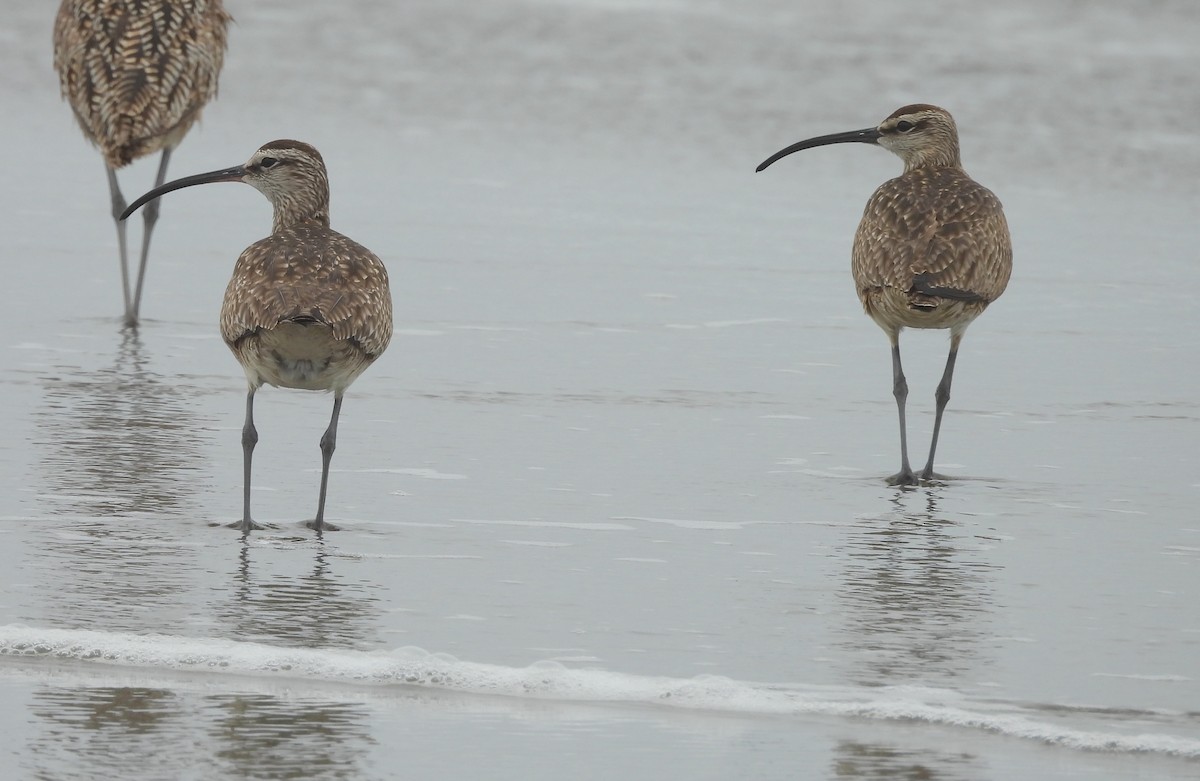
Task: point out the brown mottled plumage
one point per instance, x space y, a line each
137 74
306 307
932 249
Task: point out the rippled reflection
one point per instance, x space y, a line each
915 601
93 574
318 608
113 732
117 451
118 438
915 596
262 736
137 732
873 761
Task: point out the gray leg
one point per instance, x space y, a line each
249 440
900 390
118 206
942 396
328 444
150 214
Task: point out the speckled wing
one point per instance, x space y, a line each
138 72
934 232
310 274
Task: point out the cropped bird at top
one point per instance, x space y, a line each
137 74
306 307
932 249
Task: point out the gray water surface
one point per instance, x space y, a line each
612 503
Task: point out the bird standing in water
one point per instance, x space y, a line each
306 307
137 74
932 249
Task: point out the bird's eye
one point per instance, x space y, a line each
904 126
268 162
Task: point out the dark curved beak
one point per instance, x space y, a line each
866 136
234 174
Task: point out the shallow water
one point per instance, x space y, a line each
612 501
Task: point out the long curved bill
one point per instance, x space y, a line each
234 174
868 135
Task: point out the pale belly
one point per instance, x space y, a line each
306 357
892 309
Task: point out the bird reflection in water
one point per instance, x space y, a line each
316 609
118 447
121 732
915 599
288 737
296 737
915 596
119 439
114 731
857 760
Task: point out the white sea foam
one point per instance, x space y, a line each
551 680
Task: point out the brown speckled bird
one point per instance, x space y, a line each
137 74
307 307
932 250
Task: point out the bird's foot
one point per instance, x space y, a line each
906 478
246 525
318 525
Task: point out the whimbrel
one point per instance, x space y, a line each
932 250
306 307
137 74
